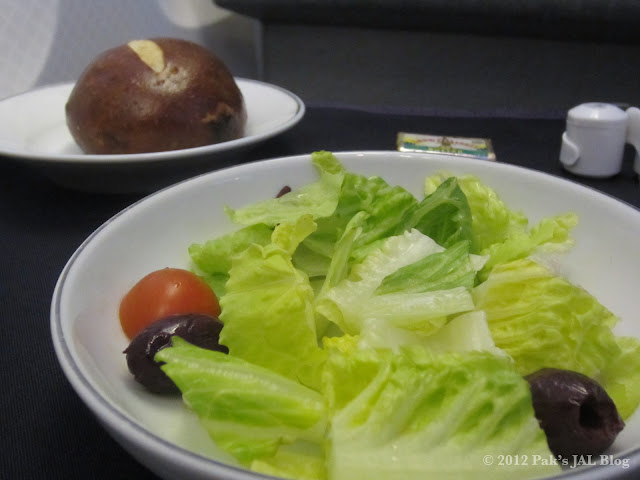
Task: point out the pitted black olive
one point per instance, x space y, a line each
575 412
200 330
286 189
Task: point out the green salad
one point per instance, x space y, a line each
376 335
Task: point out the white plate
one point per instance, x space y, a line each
33 129
155 233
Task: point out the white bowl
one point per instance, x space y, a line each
156 232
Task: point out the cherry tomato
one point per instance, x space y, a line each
165 292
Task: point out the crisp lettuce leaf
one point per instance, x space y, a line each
380 206
552 234
268 310
318 198
420 312
416 415
465 332
248 411
451 268
492 221
333 201
311 263
443 215
293 462
501 233
337 271
214 256
212 259
430 300
542 320
621 377
343 303
385 206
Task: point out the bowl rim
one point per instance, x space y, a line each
113 420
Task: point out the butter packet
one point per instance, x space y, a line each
457 146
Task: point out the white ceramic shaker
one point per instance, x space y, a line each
594 140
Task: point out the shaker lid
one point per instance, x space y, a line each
596 114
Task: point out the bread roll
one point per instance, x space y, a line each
154 95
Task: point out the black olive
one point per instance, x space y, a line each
575 412
200 330
284 190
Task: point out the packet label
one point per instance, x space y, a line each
457 146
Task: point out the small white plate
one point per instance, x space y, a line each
33 129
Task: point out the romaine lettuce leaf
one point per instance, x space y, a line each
503 234
311 263
212 259
464 209
621 377
318 198
337 271
268 309
343 303
291 461
333 201
248 411
417 415
431 298
451 268
542 320
492 221
420 312
552 234
381 207
465 332
444 215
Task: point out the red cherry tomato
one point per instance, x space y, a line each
165 292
